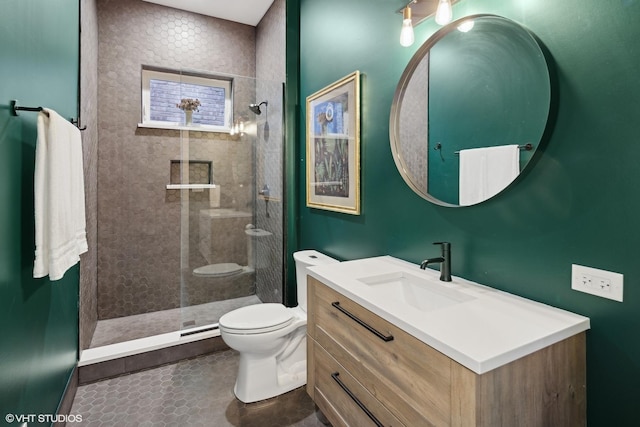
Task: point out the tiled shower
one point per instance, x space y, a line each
150 238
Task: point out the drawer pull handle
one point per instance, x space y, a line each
383 337
353 397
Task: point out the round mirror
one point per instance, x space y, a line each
470 110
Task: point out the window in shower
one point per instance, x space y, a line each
163 90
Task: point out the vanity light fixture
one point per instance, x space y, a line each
417 11
444 13
406 34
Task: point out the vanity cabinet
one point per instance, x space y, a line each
363 371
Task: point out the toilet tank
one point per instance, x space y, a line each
303 260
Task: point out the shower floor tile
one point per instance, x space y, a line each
120 329
195 392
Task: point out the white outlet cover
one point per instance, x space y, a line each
602 283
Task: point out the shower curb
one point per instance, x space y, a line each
151 359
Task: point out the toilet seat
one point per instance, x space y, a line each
257 319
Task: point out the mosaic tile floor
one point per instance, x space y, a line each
195 392
110 331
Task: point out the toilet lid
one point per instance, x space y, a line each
257 318
218 270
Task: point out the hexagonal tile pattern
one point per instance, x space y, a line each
89 118
120 329
270 66
139 223
195 392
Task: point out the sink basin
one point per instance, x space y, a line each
422 293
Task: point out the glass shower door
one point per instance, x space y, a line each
230 184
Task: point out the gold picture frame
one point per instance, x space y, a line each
333 146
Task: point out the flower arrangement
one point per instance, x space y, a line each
188 104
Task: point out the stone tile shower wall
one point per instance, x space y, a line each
88 313
271 72
138 224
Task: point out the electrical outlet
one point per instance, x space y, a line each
602 283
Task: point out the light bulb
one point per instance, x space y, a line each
466 26
444 14
406 34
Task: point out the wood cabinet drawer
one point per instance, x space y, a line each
411 379
400 376
351 403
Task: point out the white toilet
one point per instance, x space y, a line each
271 339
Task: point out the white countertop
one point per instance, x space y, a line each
490 329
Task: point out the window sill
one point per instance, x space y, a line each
195 127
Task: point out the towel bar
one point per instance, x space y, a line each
14 107
525 147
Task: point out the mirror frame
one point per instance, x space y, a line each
401 88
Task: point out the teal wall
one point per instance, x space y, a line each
578 203
291 149
38 318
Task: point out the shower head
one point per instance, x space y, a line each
256 107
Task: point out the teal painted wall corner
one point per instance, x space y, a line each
291 148
578 203
38 318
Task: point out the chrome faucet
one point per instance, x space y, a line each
444 261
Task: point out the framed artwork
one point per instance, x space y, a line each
333 146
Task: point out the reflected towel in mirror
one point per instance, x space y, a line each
486 171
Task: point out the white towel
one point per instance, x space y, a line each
484 172
59 197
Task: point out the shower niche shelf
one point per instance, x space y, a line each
198 181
